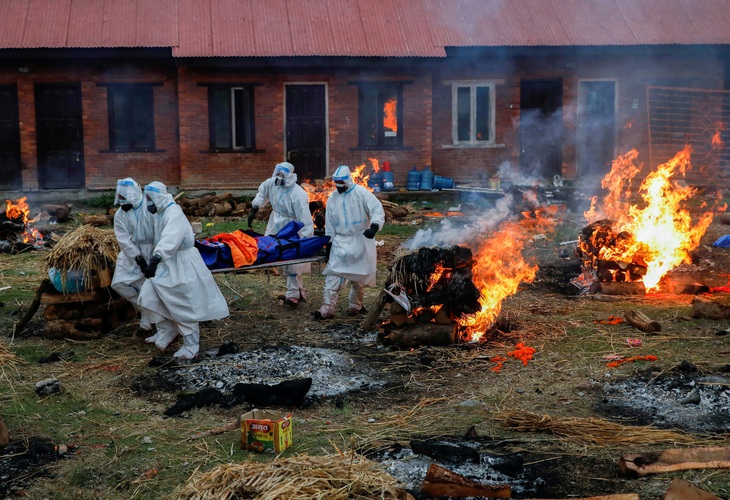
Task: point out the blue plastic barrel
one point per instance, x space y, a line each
375 180
442 182
426 179
387 183
414 180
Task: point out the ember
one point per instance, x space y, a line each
626 243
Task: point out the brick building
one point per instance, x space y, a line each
211 94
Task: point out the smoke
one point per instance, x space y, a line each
450 233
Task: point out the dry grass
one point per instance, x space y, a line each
592 430
87 249
339 476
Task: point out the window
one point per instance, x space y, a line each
131 117
231 118
473 113
380 115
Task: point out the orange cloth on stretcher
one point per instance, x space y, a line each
244 248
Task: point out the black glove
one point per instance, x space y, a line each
252 214
369 233
152 266
327 250
141 263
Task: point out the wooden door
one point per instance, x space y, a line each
306 130
10 177
541 128
60 136
596 127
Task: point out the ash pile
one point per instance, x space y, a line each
427 292
604 267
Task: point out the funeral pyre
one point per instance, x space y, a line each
638 244
442 295
16 235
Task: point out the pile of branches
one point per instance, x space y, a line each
86 250
453 288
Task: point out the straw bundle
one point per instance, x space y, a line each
341 476
85 250
593 430
7 358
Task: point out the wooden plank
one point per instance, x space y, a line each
675 460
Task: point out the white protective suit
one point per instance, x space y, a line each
353 256
183 292
289 202
135 234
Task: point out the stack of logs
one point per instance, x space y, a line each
212 205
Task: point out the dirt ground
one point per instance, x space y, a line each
407 408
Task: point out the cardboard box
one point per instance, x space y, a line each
265 430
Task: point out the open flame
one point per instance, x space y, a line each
661 234
717 142
390 116
498 270
19 211
320 192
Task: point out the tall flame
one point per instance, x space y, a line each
18 210
390 115
498 270
662 231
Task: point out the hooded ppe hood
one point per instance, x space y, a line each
343 174
129 190
157 192
286 170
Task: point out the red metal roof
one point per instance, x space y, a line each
369 28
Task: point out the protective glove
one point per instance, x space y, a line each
252 214
327 250
369 233
152 266
141 263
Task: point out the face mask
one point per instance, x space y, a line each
152 208
126 207
341 189
278 181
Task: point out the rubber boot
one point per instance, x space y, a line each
191 341
166 333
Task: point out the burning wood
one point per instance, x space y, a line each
628 243
16 235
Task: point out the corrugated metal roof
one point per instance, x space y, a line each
369 28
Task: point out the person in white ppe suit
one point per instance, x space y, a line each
289 202
353 217
179 291
135 233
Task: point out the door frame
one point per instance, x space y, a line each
580 151
326 121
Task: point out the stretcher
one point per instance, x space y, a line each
318 259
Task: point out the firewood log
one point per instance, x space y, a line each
373 314
421 334
61 212
98 220
679 489
219 208
4 435
65 329
45 287
641 321
712 308
618 288
675 460
440 481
